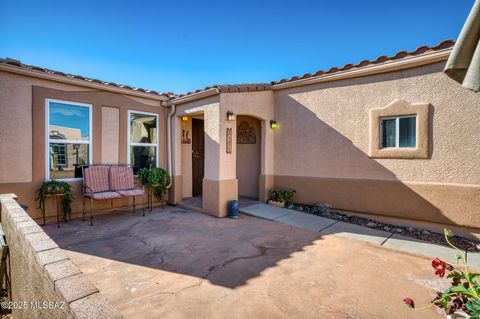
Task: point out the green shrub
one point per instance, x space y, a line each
56 187
282 195
156 178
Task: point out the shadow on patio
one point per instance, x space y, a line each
226 252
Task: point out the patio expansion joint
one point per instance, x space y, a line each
286 214
328 226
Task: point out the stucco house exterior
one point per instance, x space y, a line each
391 137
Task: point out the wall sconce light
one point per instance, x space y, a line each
273 124
184 118
230 116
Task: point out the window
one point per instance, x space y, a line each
69 138
398 132
142 139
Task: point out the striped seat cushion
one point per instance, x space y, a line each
96 179
104 195
131 192
121 178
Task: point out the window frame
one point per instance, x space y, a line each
48 140
397 131
129 144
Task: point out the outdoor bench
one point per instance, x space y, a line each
109 182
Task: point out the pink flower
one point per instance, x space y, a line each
409 302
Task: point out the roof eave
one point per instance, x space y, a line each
194 96
405 63
78 82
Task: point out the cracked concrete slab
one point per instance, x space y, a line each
421 247
191 265
357 232
310 222
265 211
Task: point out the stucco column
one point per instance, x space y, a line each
266 182
219 184
175 192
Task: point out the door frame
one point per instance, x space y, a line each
198 137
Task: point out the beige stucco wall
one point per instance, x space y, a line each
209 107
22 133
16 125
110 134
258 105
220 167
248 160
322 144
328 125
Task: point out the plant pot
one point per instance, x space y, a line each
233 209
275 203
458 315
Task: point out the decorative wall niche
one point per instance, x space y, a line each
246 134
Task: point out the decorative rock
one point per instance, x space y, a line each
410 229
300 208
371 224
290 206
399 230
386 228
426 232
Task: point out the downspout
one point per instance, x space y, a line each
169 145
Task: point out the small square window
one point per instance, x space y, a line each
398 132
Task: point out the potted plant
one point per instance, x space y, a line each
280 197
155 178
462 299
54 187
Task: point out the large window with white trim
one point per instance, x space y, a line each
142 139
69 138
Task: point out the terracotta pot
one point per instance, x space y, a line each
458 315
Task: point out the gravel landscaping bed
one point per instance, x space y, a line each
324 210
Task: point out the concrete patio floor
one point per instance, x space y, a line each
175 263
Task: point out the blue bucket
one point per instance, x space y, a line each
233 209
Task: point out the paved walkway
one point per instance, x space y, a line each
329 226
175 263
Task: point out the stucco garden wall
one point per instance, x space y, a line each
40 272
322 147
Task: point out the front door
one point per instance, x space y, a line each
198 156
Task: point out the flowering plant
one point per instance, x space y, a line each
464 293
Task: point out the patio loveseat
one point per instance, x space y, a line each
109 182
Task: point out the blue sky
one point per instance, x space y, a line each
70 116
180 46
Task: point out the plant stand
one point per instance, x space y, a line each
57 201
150 195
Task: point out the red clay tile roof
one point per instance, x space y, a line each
249 87
231 88
19 64
381 59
